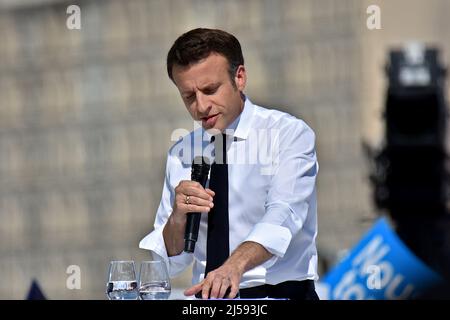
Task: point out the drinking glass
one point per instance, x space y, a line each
122 284
154 281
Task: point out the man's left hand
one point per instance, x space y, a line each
217 282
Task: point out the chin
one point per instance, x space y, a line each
214 130
219 128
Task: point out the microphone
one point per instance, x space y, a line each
199 173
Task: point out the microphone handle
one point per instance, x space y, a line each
191 233
199 174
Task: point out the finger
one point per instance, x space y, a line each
224 288
195 205
205 290
233 292
197 192
192 188
193 290
215 289
184 184
210 192
197 201
193 208
189 183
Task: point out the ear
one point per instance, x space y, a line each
240 78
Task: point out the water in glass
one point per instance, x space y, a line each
154 282
122 283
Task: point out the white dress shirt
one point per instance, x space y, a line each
272 170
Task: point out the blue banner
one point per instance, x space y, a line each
379 267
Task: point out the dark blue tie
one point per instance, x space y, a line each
218 244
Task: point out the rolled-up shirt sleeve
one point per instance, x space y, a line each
291 190
154 241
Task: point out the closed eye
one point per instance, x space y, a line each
211 89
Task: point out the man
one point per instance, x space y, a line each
269 226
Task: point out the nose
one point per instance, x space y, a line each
203 104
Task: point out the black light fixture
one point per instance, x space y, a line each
415 106
410 176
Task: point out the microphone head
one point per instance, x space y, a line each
200 169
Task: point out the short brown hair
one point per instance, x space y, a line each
199 43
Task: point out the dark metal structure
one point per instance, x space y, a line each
410 177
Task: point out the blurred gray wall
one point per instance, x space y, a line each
86 117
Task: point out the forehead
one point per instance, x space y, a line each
210 69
